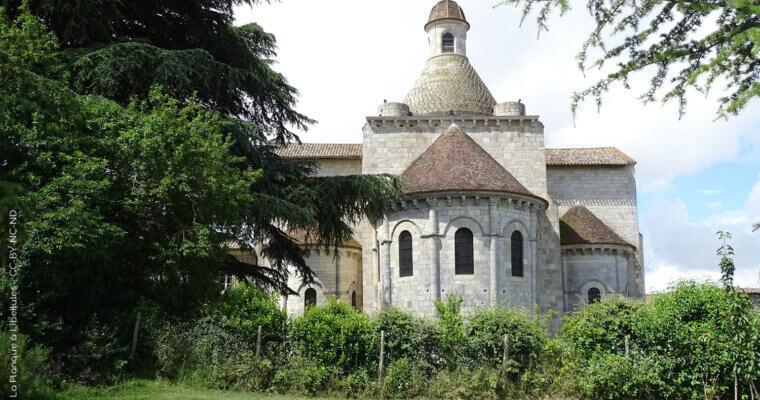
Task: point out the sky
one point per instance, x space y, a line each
696 175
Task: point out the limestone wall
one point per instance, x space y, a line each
608 192
333 277
338 167
433 236
610 269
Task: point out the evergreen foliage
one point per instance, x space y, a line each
138 198
667 36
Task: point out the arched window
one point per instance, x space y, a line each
310 297
594 295
406 264
517 253
448 43
463 257
353 299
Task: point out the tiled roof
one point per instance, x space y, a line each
301 237
455 162
446 9
320 151
581 226
587 157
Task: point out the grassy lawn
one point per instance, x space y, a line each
151 390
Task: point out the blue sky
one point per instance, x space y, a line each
695 175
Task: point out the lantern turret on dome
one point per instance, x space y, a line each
449 84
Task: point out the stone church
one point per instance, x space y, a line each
489 213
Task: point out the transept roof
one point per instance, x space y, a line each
580 226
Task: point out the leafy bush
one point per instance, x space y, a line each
334 334
410 337
601 326
617 377
243 308
100 355
699 333
403 379
301 376
28 363
185 347
485 332
247 374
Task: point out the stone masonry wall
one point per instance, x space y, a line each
333 277
338 167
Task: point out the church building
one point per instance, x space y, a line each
489 213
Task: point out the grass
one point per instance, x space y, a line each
158 390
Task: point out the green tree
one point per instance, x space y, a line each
134 202
191 50
667 37
726 253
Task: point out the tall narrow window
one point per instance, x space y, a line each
517 254
463 257
353 299
310 297
448 43
594 295
405 259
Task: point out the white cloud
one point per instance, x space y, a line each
708 192
715 205
678 249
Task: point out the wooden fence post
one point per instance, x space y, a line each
258 344
505 356
627 345
134 334
380 364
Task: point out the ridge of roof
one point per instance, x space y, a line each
579 226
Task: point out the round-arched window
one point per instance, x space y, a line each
594 295
447 42
405 254
463 252
517 253
310 297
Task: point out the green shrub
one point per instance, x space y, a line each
465 383
485 330
301 376
247 375
358 384
28 363
601 326
243 308
183 348
617 377
403 379
699 333
335 335
100 355
410 337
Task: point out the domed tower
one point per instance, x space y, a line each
449 84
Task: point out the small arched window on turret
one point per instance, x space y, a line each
463 256
448 43
517 253
405 259
594 295
310 297
353 300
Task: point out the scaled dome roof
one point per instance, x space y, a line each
449 83
446 9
